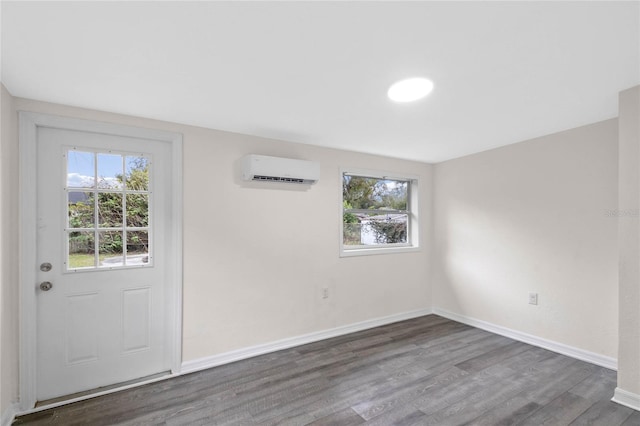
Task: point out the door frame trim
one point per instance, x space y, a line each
28 133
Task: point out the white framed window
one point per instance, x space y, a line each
379 213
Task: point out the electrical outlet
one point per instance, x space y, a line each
533 298
325 293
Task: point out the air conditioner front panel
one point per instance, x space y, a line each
275 169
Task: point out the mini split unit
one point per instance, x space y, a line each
274 169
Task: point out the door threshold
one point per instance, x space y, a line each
78 396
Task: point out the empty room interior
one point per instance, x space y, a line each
412 213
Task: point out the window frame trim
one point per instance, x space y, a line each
413 228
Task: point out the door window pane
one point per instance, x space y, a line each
81 250
138 210
137 247
80 169
110 171
110 248
81 209
137 173
109 209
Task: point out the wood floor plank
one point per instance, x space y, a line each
402 415
633 419
492 357
427 370
596 386
560 411
603 413
346 417
509 413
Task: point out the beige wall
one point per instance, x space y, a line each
537 216
256 257
8 253
629 237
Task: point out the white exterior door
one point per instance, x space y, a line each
103 244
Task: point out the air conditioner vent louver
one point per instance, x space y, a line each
278 179
274 169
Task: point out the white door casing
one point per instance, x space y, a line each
96 326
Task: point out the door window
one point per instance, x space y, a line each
108 220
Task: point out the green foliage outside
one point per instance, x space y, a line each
351 226
389 232
373 193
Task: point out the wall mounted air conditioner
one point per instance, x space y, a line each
276 169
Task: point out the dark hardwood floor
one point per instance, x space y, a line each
425 371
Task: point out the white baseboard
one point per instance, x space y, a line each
9 415
628 399
240 354
561 348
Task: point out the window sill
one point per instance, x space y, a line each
377 250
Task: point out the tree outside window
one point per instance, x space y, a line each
375 211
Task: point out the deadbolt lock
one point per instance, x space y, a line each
45 267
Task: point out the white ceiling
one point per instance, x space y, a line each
318 72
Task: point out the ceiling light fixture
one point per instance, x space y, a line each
410 90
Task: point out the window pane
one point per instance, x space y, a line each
384 229
138 210
110 171
137 173
109 209
81 250
110 248
137 247
375 229
81 209
80 169
352 234
361 192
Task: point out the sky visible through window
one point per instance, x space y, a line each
81 169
